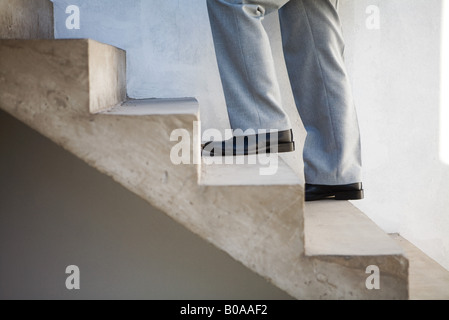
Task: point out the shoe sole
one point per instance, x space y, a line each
344 195
281 148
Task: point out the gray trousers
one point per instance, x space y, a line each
313 49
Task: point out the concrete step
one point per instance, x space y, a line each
340 241
341 235
76 76
257 224
275 171
26 19
428 279
75 92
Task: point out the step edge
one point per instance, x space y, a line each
125 108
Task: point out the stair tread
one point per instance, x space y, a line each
246 174
337 228
143 107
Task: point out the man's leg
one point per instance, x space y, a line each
313 49
246 63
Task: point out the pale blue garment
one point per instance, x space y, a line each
313 49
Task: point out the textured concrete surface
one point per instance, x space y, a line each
339 228
346 276
340 235
259 224
107 76
59 73
134 149
428 280
249 172
26 19
155 107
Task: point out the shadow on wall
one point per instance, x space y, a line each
399 75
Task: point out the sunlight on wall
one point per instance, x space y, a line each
444 87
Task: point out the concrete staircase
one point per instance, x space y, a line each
74 93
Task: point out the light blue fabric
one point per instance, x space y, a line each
313 50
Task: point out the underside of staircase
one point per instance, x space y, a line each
74 93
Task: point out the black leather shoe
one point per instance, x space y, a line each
352 191
252 144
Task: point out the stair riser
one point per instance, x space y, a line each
346 277
26 19
60 77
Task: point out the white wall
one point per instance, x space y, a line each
168 44
395 72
